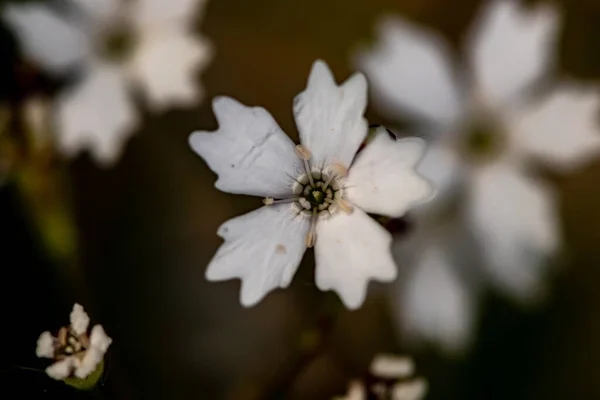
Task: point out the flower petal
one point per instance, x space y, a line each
562 129
441 167
99 343
79 319
330 117
45 345
90 361
391 366
350 250
515 219
249 152
46 38
160 12
510 47
436 306
100 12
410 71
165 65
61 369
383 179
99 339
96 114
263 248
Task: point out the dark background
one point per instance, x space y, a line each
148 228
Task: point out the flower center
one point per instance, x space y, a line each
316 193
117 44
482 141
69 344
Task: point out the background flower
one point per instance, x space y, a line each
486 127
116 47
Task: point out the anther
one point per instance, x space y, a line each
344 205
338 168
311 236
303 153
267 201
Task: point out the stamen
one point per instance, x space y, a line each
267 201
310 177
339 169
303 153
312 234
62 336
344 205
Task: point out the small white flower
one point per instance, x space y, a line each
391 380
315 193
74 351
486 130
116 46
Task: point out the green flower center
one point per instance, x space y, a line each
118 45
482 141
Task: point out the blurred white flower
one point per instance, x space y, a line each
391 379
486 128
74 351
322 195
116 46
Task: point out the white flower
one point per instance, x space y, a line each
391 379
74 351
486 131
116 46
322 195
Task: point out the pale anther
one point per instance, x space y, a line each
267 201
303 153
344 205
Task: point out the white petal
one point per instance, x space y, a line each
410 71
510 47
99 343
61 369
166 65
90 361
96 114
330 117
411 390
100 11
263 248
442 167
514 217
562 129
350 250
383 179
390 366
45 345
161 13
249 152
79 319
436 306
99 339
46 38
